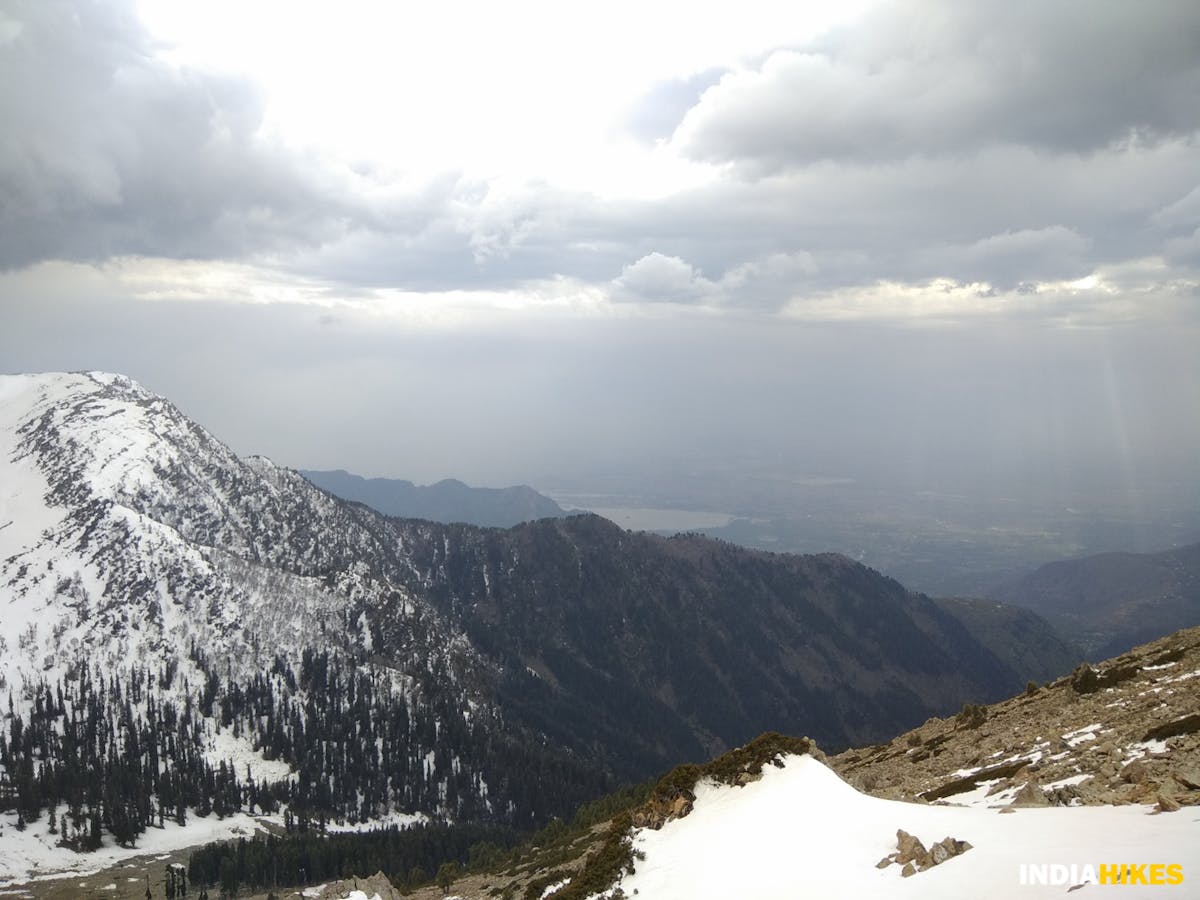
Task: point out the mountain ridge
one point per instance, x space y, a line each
1111 602
446 501
462 671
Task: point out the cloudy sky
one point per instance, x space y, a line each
529 241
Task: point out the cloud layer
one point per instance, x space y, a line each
944 79
926 141
944 232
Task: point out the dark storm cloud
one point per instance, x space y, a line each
108 151
1006 215
982 142
948 78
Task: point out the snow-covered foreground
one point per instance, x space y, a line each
33 854
801 831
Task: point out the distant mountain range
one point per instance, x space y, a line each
1109 602
187 631
446 501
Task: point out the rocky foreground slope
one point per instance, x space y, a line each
1123 731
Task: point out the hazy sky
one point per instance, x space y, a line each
523 241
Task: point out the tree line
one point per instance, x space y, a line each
118 752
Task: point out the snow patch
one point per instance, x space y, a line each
1146 748
397 819
223 745
801 831
1082 735
34 854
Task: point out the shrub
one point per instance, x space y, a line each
1084 679
972 715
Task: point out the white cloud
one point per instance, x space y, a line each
659 278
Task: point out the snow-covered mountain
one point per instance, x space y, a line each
185 630
127 533
130 536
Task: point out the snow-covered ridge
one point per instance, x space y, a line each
143 564
125 528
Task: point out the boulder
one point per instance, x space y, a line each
911 849
1189 778
1166 803
1135 772
1030 795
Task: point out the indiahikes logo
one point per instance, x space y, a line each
1165 874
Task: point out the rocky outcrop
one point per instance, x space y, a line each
912 856
1030 795
375 886
1122 731
658 811
673 796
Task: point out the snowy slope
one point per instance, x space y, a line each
802 831
127 530
34 855
149 575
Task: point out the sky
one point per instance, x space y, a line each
543 242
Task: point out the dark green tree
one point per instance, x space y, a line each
446 874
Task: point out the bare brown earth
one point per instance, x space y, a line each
1123 731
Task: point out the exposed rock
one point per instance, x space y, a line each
911 849
1185 725
1067 795
1135 772
945 849
912 855
1146 694
969 782
1166 803
1030 795
939 854
1189 778
376 884
659 811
